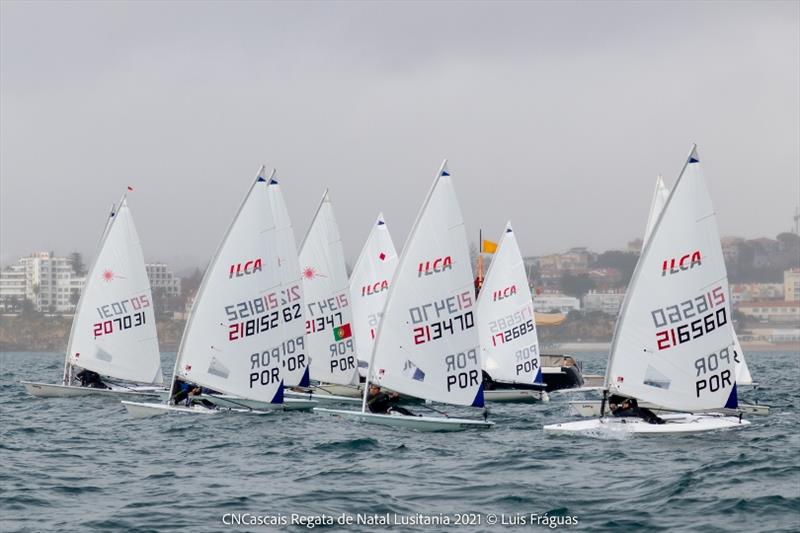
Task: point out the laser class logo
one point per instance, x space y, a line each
109 275
311 273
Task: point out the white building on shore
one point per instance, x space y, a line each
12 287
49 282
561 303
163 279
607 302
791 285
52 286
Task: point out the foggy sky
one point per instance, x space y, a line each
557 116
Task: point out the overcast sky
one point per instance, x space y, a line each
557 116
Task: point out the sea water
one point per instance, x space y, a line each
81 464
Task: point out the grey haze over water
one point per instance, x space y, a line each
557 116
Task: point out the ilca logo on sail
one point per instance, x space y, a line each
675 265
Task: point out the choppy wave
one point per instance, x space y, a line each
81 464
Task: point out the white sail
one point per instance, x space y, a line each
743 376
296 370
674 343
235 340
506 326
329 320
660 195
369 286
114 329
427 343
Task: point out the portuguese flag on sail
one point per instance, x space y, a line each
342 332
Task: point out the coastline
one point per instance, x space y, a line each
581 347
41 333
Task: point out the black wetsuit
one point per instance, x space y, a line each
91 379
639 412
383 403
488 382
180 392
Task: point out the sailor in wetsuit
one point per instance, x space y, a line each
488 382
382 403
189 394
180 392
628 407
91 379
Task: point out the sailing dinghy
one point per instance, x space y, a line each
369 286
506 328
297 373
590 408
114 329
674 345
427 343
236 340
329 320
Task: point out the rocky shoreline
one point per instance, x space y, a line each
40 333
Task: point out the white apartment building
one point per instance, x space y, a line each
12 287
561 303
772 311
46 280
607 302
161 277
791 285
749 292
49 282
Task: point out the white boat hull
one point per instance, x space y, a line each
322 398
418 423
289 403
147 409
144 410
591 408
576 390
594 381
52 390
331 389
676 424
515 395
